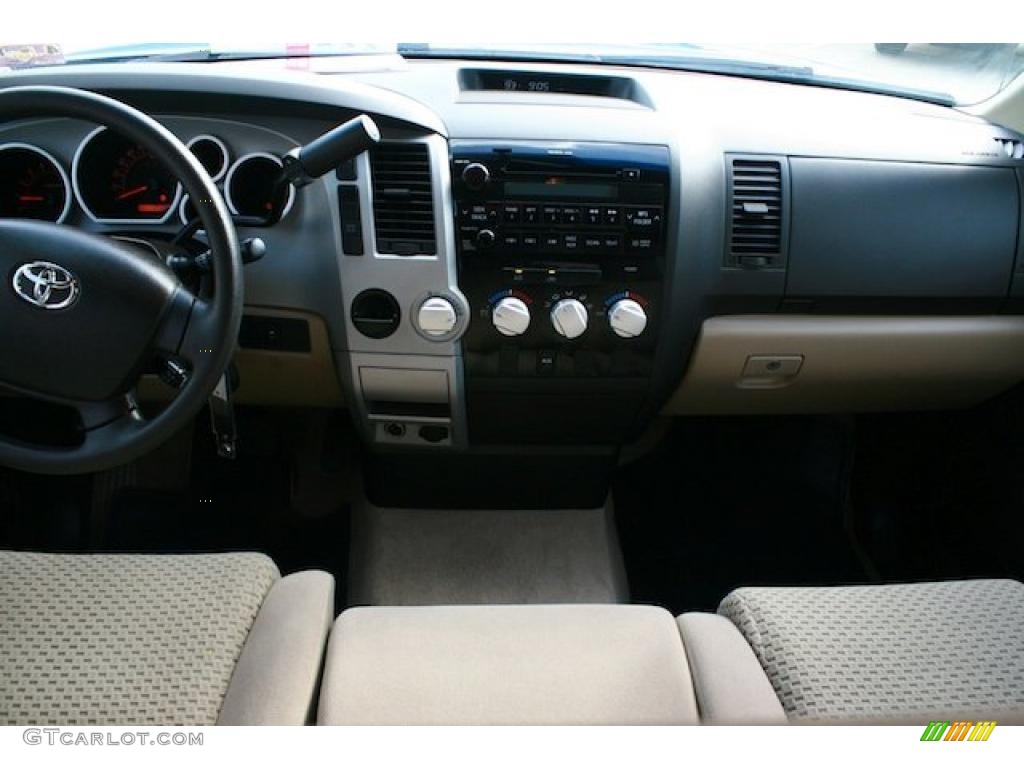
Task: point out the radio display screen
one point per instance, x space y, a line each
558 188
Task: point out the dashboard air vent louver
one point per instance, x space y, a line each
403 203
756 219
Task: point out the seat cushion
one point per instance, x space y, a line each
892 653
124 639
506 665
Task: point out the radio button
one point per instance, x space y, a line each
612 242
593 217
552 214
479 214
645 219
571 242
530 241
640 244
511 214
552 241
592 243
510 241
531 214
571 216
612 216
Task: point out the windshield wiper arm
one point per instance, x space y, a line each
209 55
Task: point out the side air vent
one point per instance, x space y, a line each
1012 148
757 231
403 202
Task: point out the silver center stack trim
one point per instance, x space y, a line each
407 358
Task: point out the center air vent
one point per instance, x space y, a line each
375 313
757 231
403 203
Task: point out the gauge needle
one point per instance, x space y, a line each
132 192
30 198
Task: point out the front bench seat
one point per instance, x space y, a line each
159 639
898 653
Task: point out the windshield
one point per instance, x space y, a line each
950 73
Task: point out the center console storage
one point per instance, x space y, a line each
507 665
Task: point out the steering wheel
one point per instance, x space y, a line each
81 315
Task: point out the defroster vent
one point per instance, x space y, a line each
403 202
757 231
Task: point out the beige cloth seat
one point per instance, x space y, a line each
506 665
901 653
159 639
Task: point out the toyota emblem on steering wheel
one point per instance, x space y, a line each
45 284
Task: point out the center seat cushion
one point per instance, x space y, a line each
506 665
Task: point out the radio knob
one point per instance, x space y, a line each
485 238
476 176
436 317
511 316
569 317
627 318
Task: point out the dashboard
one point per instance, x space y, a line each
554 255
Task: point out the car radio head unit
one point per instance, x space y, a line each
592 200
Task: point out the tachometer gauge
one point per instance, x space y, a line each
32 184
119 180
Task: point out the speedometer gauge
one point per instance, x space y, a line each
32 184
119 180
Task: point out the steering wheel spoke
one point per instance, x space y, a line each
97 415
185 307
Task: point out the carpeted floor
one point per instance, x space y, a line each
452 557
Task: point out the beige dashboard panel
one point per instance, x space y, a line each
1006 107
783 364
304 379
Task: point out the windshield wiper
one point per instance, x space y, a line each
201 55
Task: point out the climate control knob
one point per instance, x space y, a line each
627 318
569 317
436 317
511 316
476 176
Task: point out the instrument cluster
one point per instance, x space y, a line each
114 180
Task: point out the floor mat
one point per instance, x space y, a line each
274 497
731 502
939 495
463 557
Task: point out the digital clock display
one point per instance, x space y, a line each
521 84
537 82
